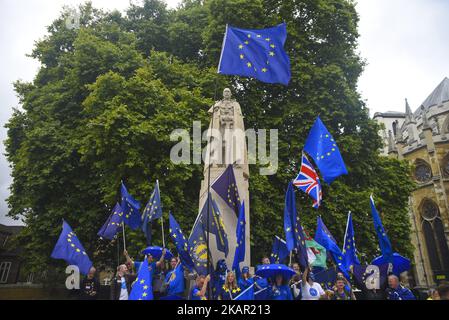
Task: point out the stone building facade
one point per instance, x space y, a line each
422 138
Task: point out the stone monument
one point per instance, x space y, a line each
227 146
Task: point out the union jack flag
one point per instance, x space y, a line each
309 182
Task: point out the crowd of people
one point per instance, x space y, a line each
223 284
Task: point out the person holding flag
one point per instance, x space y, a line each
142 288
279 290
199 291
310 289
174 280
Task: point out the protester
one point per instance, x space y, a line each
265 260
199 290
121 284
219 277
310 289
279 290
90 286
230 289
295 282
174 283
443 291
341 291
396 291
261 284
155 268
245 280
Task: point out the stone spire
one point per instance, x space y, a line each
391 143
425 121
409 116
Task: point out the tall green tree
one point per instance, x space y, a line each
108 95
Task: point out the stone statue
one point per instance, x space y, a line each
228 141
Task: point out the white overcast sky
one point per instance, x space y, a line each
405 43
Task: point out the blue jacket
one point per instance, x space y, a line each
400 293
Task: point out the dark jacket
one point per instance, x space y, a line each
90 289
116 285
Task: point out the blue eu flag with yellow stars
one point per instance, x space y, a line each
256 53
113 224
216 224
226 187
239 255
152 211
198 248
142 288
349 250
130 207
324 238
294 233
70 249
321 146
181 242
279 251
384 241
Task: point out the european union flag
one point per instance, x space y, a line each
384 242
294 234
70 249
324 237
142 288
198 248
216 224
113 224
326 278
239 255
257 53
226 187
321 146
152 211
349 251
130 207
181 242
279 251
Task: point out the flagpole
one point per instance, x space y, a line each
162 218
124 238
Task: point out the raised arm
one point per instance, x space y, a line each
204 288
161 260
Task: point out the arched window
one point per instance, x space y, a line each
436 243
423 172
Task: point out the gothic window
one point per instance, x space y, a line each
433 229
429 210
423 172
